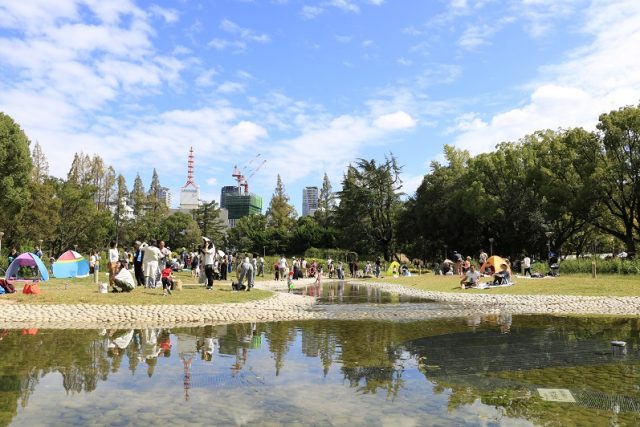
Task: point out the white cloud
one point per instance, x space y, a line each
594 79
211 181
169 15
231 87
404 61
395 121
245 133
346 5
344 39
310 12
246 34
205 78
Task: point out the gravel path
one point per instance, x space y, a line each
284 306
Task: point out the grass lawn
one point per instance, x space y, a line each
84 291
603 285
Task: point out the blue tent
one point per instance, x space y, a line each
70 264
27 260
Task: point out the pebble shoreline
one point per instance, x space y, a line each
286 307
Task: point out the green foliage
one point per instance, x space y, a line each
179 230
280 212
207 217
15 174
369 203
603 266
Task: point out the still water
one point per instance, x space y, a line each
465 371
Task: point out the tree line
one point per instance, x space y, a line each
569 190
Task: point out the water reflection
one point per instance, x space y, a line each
452 371
340 292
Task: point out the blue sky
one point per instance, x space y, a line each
308 85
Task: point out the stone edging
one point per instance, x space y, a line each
284 307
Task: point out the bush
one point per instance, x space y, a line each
603 266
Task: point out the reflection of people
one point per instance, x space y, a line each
470 278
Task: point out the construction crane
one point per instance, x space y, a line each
239 175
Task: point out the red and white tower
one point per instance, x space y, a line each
190 192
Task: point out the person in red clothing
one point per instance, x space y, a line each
167 280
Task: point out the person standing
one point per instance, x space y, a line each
526 264
164 257
223 268
209 250
137 263
282 267
150 258
260 267
254 264
378 264
482 258
112 265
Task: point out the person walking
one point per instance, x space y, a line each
209 250
282 267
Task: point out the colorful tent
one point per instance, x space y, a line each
27 260
70 264
494 262
394 265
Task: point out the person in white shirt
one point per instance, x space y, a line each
114 257
150 263
209 251
526 264
282 267
123 281
470 278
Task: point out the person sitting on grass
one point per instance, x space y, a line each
502 277
123 280
470 278
167 279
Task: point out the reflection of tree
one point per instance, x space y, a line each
280 336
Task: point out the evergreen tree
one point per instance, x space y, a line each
138 196
326 203
15 173
122 196
207 216
40 169
280 212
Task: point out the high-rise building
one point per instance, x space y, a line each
309 200
228 190
241 205
165 196
190 192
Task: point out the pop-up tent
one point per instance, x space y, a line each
494 262
395 265
70 264
27 260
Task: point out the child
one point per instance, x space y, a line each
290 280
167 280
318 275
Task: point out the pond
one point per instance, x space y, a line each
340 292
488 370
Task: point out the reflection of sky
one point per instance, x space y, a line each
300 394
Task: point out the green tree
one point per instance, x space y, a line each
207 216
121 219
138 196
326 203
15 173
250 234
280 213
369 204
618 180
179 230
40 170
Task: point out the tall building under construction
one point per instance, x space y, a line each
241 203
